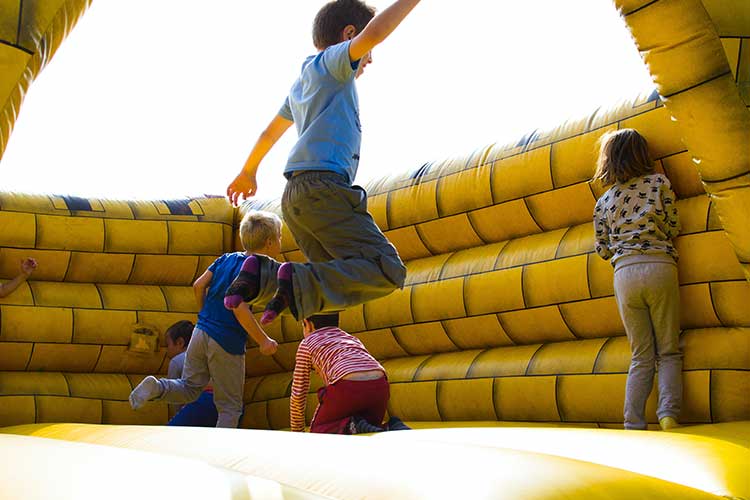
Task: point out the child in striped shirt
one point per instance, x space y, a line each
635 221
356 393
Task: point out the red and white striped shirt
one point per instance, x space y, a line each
334 354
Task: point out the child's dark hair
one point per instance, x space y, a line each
623 156
181 330
324 320
337 15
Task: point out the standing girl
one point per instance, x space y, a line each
635 221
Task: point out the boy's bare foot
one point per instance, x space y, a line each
245 286
284 296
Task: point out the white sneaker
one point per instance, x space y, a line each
149 388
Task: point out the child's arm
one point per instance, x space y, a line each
27 267
601 232
300 386
200 286
379 28
245 317
245 185
671 216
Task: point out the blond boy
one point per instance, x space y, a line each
216 351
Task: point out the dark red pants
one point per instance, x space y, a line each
344 399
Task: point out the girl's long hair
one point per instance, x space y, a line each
623 155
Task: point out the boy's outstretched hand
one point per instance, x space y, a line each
242 187
245 185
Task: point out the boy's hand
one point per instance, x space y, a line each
269 347
379 29
27 266
242 187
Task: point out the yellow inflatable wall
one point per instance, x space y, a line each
507 319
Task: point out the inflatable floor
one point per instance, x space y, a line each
505 350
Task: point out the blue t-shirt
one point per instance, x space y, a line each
324 106
216 320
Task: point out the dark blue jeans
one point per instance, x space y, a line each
200 413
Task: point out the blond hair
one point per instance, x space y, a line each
257 227
623 155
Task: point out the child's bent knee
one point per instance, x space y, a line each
393 270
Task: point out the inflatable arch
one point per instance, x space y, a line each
504 349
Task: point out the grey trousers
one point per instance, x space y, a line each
206 360
350 259
648 298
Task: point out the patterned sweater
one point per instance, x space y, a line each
637 217
333 354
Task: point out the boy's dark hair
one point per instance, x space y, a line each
324 320
337 15
181 330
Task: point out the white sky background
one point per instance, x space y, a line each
159 99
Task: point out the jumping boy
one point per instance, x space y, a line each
350 260
355 397
216 350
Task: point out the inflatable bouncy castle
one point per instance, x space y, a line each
504 350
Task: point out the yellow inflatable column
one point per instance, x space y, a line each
30 33
680 44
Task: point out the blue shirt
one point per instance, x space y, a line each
216 320
324 106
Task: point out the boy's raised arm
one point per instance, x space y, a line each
245 185
379 28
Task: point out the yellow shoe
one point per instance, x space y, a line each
668 423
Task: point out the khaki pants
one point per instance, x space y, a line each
351 261
648 298
206 360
